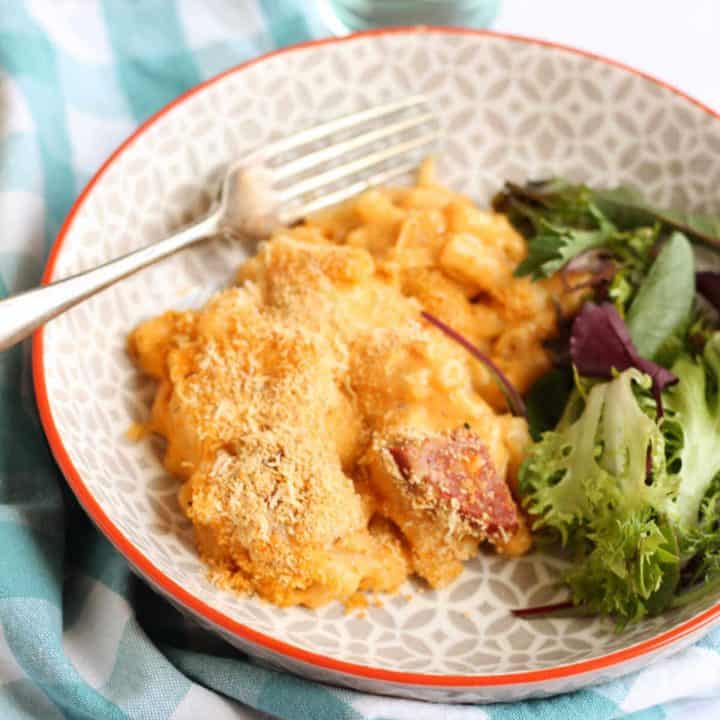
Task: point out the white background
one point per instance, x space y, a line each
676 40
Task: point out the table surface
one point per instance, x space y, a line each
678 42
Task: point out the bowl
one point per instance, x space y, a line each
511 108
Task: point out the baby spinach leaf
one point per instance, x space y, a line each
662 306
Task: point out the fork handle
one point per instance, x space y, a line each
24 312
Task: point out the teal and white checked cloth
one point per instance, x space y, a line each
80 637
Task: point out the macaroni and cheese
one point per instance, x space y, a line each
327 438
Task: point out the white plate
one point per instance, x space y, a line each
511 108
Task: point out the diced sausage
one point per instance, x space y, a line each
456 471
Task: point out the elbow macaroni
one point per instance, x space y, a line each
272 395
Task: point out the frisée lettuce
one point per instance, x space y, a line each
635 497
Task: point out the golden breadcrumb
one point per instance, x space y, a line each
328 440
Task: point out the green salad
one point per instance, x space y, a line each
624 472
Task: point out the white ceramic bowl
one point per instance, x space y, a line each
510 108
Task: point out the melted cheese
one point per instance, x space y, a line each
270 396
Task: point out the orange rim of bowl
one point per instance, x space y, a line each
215 617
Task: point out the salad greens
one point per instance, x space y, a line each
627 208
635 498
601 346
513 398
625 468
708 285
546 400
661 308
692 427
578 207
586 481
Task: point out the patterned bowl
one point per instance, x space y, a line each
511 108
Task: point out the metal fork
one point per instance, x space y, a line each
274 185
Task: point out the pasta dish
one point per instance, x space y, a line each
328 439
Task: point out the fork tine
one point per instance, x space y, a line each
354 166
296 213
346 121
307 162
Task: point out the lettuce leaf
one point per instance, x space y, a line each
574 206
662 307
600 344
587 482
635 498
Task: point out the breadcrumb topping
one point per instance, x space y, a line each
320 428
